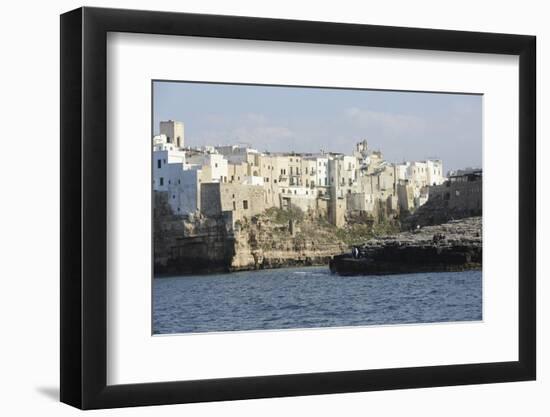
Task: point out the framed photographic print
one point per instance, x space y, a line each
258 207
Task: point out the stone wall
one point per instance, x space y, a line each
466 194
451 200
337 211
244 201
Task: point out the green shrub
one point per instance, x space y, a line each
283 216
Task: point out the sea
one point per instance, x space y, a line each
311 297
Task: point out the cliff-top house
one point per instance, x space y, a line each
241 180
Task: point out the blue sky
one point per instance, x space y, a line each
403 125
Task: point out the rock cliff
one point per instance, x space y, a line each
277 238
265 242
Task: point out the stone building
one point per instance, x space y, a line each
302 197
337 211
239 199
237 172
405 196
295 170
274 170
461 192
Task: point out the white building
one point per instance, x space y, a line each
335 182
342 175
236 154
253 180
164 155
213 165
172 175
435 172
316 169
184 190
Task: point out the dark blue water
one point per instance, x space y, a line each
311 297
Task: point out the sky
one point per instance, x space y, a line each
405 126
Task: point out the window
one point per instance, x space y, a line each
245 204
234 206
215 165
161 180
159 164
173 196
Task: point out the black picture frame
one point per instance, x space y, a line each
84 207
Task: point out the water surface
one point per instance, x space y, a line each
311 297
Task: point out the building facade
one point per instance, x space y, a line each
245 182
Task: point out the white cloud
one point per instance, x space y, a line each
389 123
250 128
263 136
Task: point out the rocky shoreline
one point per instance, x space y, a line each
452 246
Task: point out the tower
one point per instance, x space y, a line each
174 132
362 149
